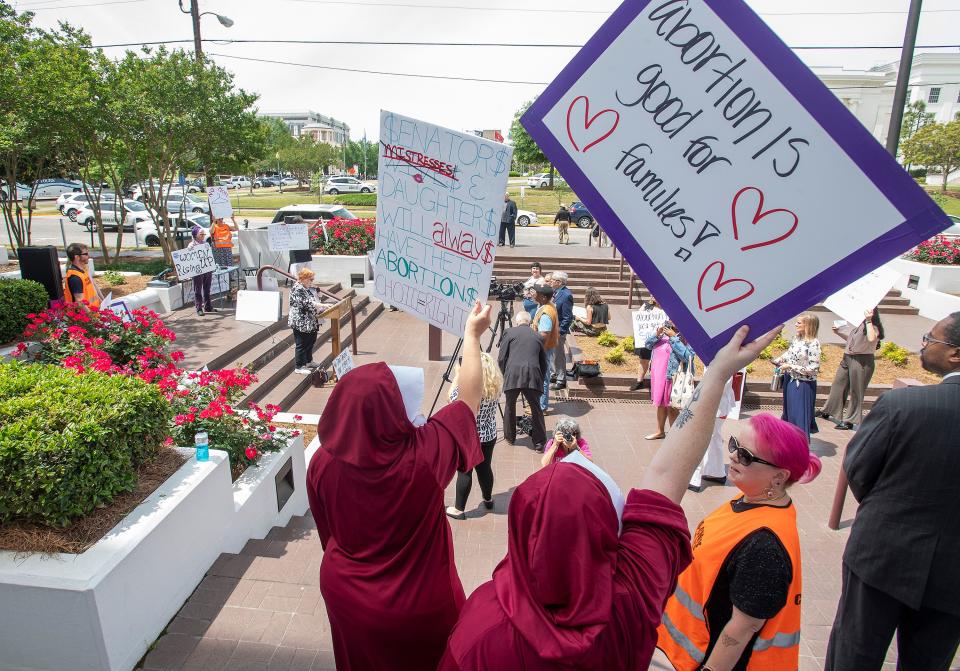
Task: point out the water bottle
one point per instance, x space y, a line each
203 448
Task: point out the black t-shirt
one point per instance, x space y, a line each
563 215
755 578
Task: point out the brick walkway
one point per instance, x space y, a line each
261 609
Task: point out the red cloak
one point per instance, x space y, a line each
570 594
375 486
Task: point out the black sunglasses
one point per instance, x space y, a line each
745 456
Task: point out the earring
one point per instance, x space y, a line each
770 493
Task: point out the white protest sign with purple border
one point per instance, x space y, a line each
735 183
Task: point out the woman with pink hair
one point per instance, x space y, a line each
737 606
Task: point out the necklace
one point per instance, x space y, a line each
766 499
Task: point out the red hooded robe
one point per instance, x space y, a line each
388 577
569 594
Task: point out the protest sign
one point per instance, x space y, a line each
646 323
735 183
219 199
258 306
855 299
439 204
192 262
343 363
283 237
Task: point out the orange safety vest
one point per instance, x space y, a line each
222 236
551 340
684 635
89 291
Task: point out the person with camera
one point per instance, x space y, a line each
587 573
523 362
546 324
566 439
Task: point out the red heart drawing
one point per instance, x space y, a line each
589 121
720 283
759 214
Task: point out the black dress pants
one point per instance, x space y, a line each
866 621
507 227
539 433
303 347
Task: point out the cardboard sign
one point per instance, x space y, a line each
284 237
192 262
855 299
735 183
646 323
258 306
439 204
219 199
343 363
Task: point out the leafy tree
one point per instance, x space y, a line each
364 155
525 149
306 156
915 117
937 146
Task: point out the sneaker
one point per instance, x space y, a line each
455 514
302 371
199 312
559 384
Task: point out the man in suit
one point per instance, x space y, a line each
563 300
900 564
508 221
523 360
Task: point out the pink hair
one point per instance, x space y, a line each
785 445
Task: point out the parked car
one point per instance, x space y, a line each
579 215
198 185
133 212
542 180
347 184
261 182
71 203
955 229
178 202
148 234
54 186
313 212
240 183
526 218
290 181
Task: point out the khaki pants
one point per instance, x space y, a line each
564 228
853 376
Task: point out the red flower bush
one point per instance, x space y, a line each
349 237
938 250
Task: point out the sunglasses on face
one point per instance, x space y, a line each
927 339
745 456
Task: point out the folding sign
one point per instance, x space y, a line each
735 183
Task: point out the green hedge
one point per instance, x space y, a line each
69 442
18 298
368 199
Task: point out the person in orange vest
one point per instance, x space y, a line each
77 285
737 606
221 236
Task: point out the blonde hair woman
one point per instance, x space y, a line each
487 428
304 320
800 365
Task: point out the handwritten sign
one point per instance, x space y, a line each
219 199
283 237
735 183
438 215
192 262
646 323
854 300
343 363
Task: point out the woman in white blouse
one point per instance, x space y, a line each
800 365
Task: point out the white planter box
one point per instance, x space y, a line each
101 610
343 269
937 290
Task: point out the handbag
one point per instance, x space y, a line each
682 391
776 383
586 368
319 377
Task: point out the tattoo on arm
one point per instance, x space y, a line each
696 395
728 641
684 417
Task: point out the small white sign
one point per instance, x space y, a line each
219 199
853 301
646 323
343 363
258 306
580 311
193 261
283 237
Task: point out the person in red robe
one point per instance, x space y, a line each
388 578
573 592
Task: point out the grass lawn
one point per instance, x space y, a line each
952 206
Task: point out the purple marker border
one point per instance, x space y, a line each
922 217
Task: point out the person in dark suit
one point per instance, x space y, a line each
900 564
508 221
523 362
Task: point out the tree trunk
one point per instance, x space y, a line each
946 176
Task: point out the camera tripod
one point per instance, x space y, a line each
504 321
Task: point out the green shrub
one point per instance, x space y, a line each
895 354
615 355
780 343
766 354
150 267
114 278
607 339
627 344
368 199
514 173
19 298
70 443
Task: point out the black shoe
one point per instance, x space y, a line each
559 384
695 489
538 447
209 308
636 386
199 312
488 504
844 426
821 414
499 244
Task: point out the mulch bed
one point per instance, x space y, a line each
308 431
28 538
131 284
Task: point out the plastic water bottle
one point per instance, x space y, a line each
203 447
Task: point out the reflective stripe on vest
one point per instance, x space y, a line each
684 635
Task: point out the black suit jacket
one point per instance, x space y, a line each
904 468
522 359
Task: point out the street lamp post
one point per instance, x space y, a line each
195 15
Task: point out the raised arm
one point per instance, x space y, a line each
674 463
471 373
